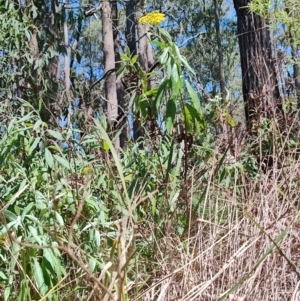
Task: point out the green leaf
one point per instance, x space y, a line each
143 106
37 124
56 135
183 60
63 161
97 238
165 34
151 92
2 179
134 59
34 145
164 56
49 158
229 120
27 209
39 277
191 117
54 262
175 78
159 44
161 90
188 119
2 275
10 215
170 114
153 204
102 120
124 57
7 293
59 219
92 264
194 96
35 235
106 146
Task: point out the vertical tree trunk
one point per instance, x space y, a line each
220 50
146 59
120 89
48 110
109 62
260 88
131 43
142 36
130 27
134 10
67 53
224 126
294 53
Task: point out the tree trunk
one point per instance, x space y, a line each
109 62
134 10
146 60
122 114
220 50
130 26
131 8
294 53
260 87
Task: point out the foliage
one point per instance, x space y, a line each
198 210
14 41
173 100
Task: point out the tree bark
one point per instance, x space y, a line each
220 50
109 62
131 19
122 114
260 88
134 10
130 27
294 53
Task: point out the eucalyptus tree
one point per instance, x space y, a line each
109 66
284 20
260 82
34 67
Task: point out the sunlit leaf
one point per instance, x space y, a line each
194 96
55 134
229 120
170 114
63 161
49 158
39 277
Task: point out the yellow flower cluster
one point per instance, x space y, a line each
153 18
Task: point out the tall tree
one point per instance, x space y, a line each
220 50
293 13
260 87
40 78
146 60
122 117
110 64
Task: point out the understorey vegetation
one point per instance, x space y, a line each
149 151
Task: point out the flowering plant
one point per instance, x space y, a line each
153 18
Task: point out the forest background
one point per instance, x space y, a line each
149 150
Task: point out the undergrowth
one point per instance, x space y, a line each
81 222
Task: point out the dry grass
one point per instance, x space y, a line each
230 252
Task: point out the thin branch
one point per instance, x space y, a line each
108 72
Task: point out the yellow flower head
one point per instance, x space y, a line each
153 18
